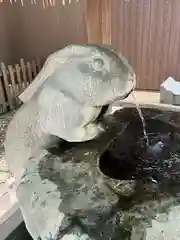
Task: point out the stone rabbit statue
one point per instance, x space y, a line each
64 100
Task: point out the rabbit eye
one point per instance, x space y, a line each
98 63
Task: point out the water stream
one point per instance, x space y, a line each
142 118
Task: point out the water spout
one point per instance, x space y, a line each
142 119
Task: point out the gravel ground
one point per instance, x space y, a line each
4 121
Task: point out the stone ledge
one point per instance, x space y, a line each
10 220
144 99
10 214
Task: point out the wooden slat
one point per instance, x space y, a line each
126 21
120 23
38 62
3 104
93 21
19 79
172 60
146 31
151 43
23 69
29 72
166 38
132 40
13 97
106 21
34 68
138 41
114 27
20 86
157 51
14 92
6 85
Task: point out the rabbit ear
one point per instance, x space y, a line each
53 63
56 114
50 111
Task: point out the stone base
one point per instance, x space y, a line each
81 194
170 92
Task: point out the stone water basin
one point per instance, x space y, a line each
115 187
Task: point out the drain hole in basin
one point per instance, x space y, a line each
128 160
118 165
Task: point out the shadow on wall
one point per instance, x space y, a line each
31 31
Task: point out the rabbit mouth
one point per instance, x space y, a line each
123 96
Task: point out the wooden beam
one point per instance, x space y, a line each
94 20
106 21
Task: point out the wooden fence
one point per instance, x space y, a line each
14 79
147 32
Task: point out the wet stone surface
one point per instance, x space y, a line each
115 187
